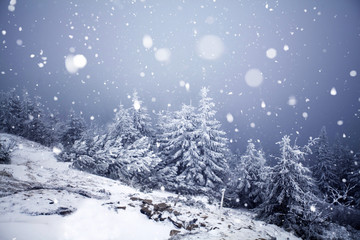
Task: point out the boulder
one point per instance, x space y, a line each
161 207
147 211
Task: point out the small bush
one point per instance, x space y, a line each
6 147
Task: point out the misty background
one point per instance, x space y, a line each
306 52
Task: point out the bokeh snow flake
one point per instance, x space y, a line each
312 208
254 77
333 91
11 6
353 73
80 61
74 63
229 118
147 41
19 42
263 104
163 54
210 47
56 150
271 53
305 115
292 101
136 105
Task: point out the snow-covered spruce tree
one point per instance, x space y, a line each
140 117
10 113
344 160
212 145
123 127
5 151
252 175
324 168
73 128
134 163
25 117
181 169
125 149
37 124
85 144
290 201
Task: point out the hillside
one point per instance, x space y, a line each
41 198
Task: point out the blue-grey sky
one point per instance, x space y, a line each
168 50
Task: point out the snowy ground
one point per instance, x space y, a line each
41 198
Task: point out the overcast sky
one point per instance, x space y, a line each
273 67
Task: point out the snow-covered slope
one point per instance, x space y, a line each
41 198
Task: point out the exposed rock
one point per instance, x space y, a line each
135 199
63 211
161 207
192 227
176 213
147 211
121 207
147 201
174 232
176 224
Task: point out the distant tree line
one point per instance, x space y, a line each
186 152
27 117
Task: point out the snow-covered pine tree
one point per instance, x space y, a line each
24 117
73 128
324 168
252 177
212 144
39 130
180 171
134 163
123 127
85 145
344 160
140 116
10 113
290 201
5 151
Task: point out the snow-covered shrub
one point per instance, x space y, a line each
6 147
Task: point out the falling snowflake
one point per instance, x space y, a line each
333 91
271 53
253 77
229 118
